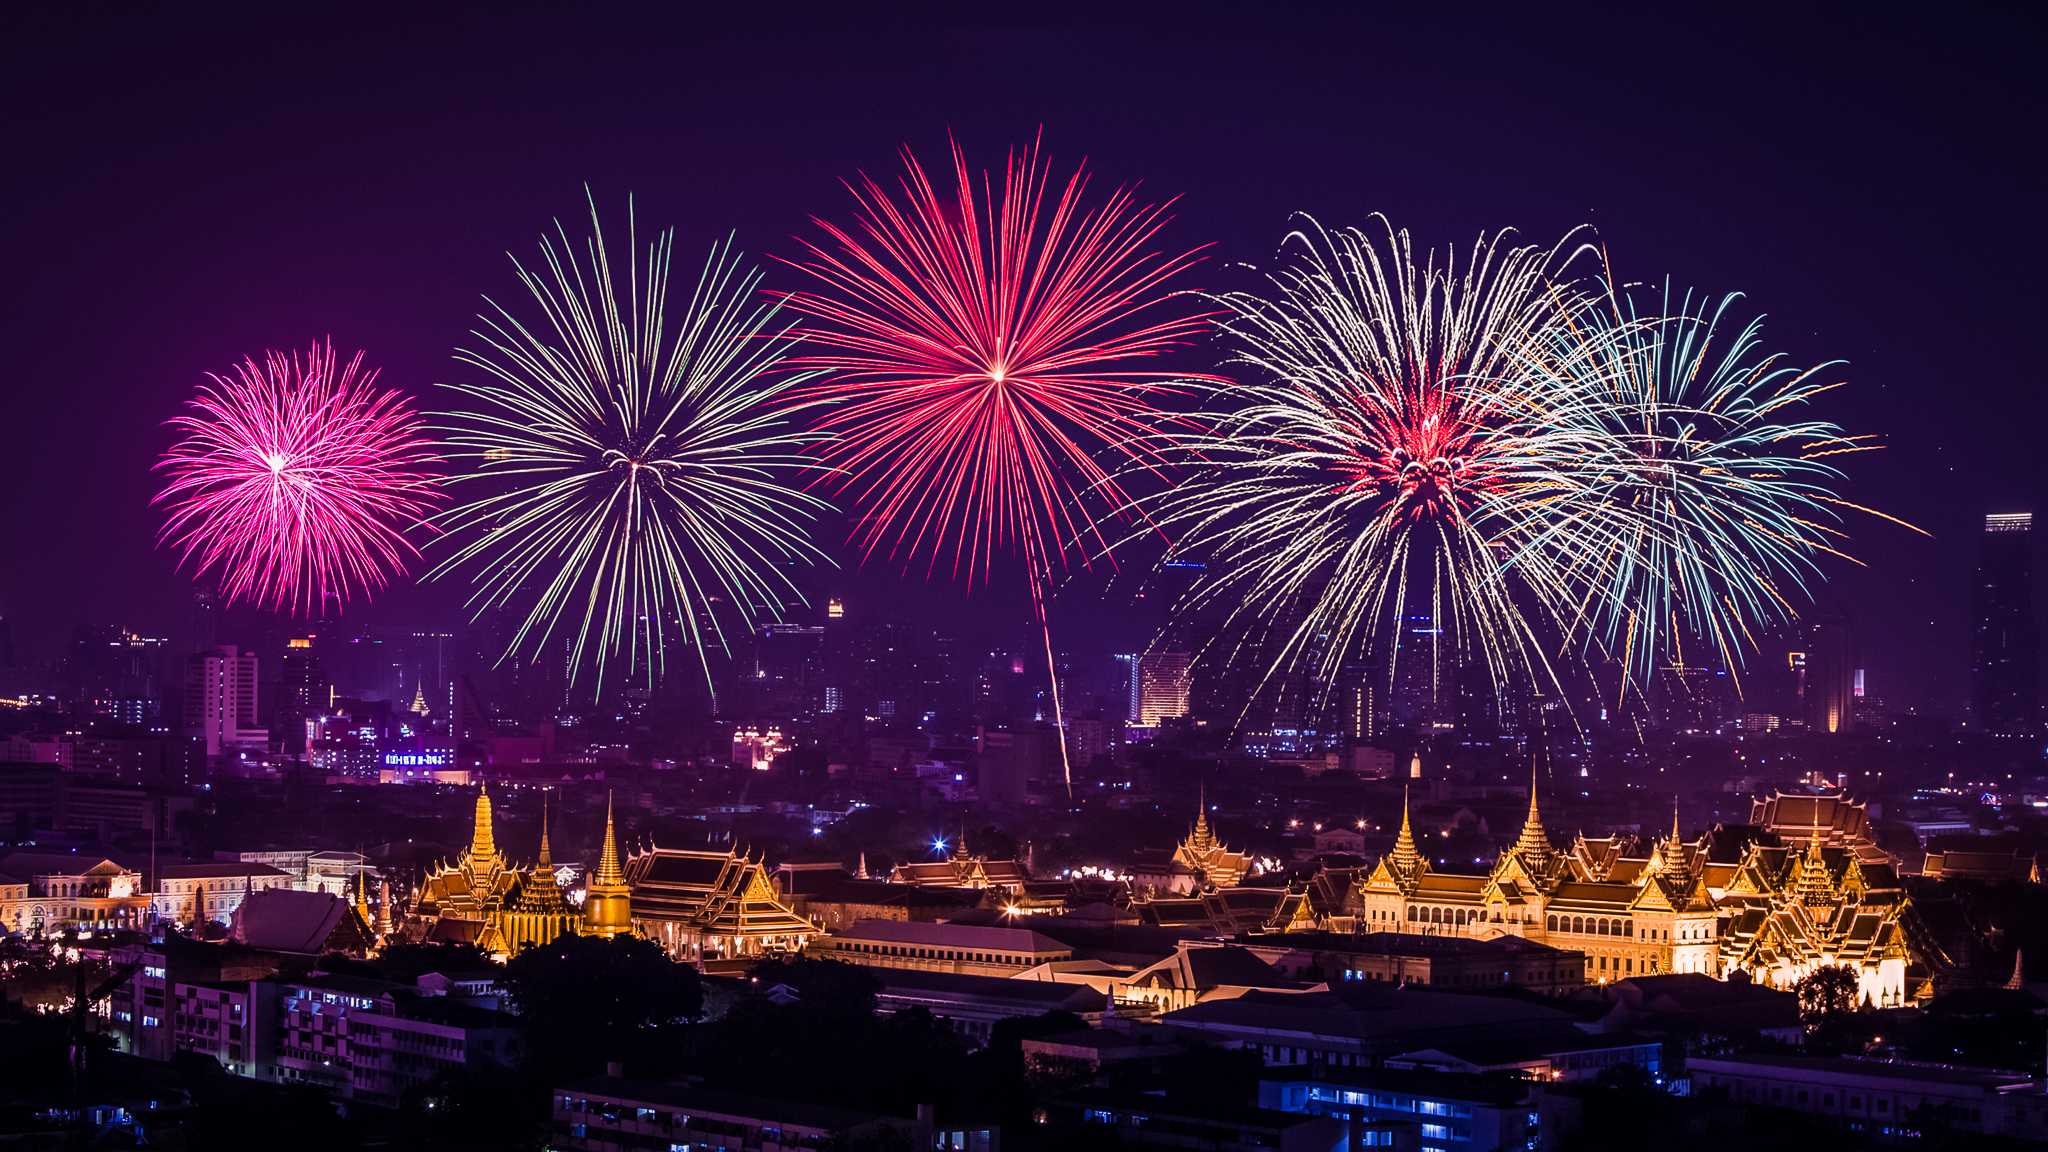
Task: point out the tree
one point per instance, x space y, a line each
585 1000
1826 993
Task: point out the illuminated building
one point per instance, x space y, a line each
1825 895
47 892
197 894
1205 854
705 907
484 899
539 914
2004 647
607 899
1830 680
757 748
960 948
220 700
962 869
1161 685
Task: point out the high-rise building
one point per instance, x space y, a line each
220 699
2005 645
1830 686
1162 689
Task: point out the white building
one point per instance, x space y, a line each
220 700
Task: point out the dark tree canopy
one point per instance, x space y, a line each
586 1001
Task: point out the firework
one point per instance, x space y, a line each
634 459
1369 469
296 482
980 350
1701 507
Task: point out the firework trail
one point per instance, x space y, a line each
978 350
296 481
1368 461
634 458
1701 507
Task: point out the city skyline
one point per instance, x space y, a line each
1912 664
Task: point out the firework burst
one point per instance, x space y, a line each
635 459
297 480
1368 468
979 351
1701 505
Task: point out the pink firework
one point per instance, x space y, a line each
296 483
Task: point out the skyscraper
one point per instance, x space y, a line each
1830 676
1162 690
2004 648
220 699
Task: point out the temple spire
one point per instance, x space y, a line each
1533 841
546 863
608 861
1404 856
481 844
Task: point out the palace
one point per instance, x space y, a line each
1825 896
705 907
483 899
962 870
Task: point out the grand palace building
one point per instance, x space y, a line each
1823 895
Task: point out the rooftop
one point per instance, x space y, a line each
968 936
1833 1067
708 1101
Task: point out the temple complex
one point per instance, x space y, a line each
1205 855
484 899
962 869
1824 895
705 907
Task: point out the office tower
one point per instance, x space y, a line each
1830 685
303 691
2004 648
1162 686
220 700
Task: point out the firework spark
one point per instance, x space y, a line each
980 349
1368 464
1701 509
635 458
296 481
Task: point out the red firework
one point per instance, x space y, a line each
977 352
296 482
1423 450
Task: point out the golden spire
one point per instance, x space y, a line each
607 901
546 862
608 872
384 907
1404 858
362 901
1202 839
481 846
1533 841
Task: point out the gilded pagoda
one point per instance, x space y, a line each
483 899
1204 853
1825 895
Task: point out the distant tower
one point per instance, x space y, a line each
607 901
1830 676
220 700
2004 649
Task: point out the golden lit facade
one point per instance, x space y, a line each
482 898
705 907
1778 914
1204 853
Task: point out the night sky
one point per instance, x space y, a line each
185 190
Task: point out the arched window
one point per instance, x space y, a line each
1628 928
1411 912
1553 923
1460 915
1600 929
1579 924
